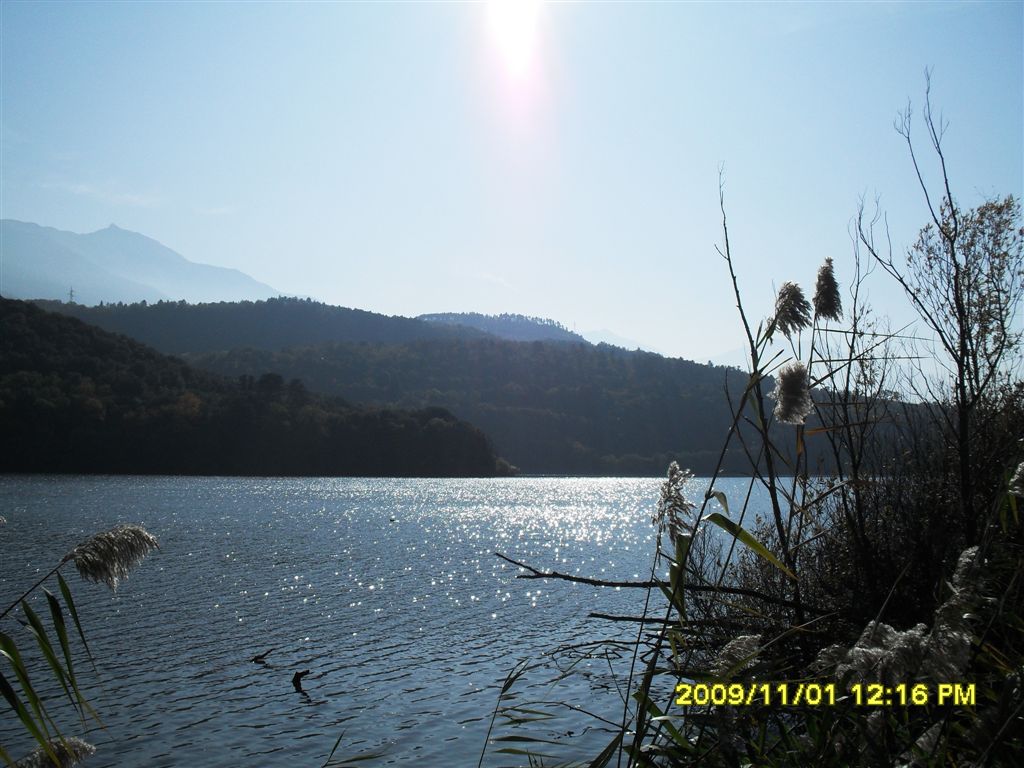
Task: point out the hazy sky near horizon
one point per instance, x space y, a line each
555 159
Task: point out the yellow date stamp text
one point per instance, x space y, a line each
796 694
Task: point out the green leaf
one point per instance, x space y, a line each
656 714
9 649
539 712
43 641
526 739
7 690
514 675
524 752
738 532
677 576
66 591
62 634
608 752
328 760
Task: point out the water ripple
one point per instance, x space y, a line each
386 590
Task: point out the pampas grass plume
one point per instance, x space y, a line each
109 556
674 513
827 302
792 398
792 311
69 751
737 655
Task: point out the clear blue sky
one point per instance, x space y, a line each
419 157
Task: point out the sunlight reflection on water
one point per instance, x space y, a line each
388 591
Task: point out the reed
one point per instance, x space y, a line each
792 394
68 752
792 310
828 303
111 555
106 557
860 572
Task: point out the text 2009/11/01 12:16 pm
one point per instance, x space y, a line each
793 694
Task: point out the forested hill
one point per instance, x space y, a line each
511 327
549 407
74 398
177 327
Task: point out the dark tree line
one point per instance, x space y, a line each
549 407
74 398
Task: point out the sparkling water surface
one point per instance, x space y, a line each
387 590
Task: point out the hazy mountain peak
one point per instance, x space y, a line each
111 265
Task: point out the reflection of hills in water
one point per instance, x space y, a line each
408 627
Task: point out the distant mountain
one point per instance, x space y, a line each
511 327
74 398
177 328
110 265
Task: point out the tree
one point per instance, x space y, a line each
964 275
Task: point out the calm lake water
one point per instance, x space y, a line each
388 591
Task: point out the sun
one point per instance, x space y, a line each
513 27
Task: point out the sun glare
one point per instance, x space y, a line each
513 28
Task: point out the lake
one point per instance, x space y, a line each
387 590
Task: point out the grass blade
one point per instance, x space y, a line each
9 649
738 532
35 626
608 752
335 749
62 634
7 690
66 591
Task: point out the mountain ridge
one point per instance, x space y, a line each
110 265
270 324
513 327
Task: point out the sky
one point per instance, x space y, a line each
559 160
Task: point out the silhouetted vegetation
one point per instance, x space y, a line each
74 398
549 407
824 629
